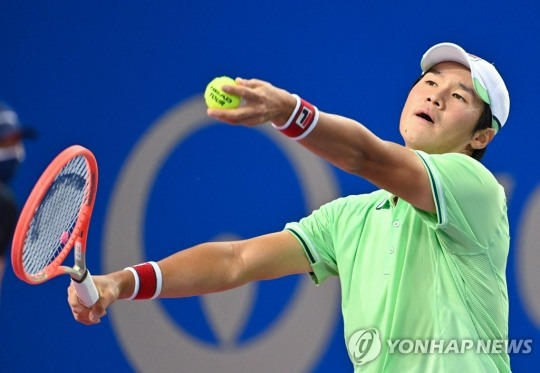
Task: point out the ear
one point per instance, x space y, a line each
482 138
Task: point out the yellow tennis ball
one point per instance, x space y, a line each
216 98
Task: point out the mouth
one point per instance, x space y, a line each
425 116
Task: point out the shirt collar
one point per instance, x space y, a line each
386 201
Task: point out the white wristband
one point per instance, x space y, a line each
302 121
159 279
136 287
289 121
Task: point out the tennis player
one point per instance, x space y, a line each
421 259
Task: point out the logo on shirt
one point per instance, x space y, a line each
364 346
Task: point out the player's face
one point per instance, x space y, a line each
441 111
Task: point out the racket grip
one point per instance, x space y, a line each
86 290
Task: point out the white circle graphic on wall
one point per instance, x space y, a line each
150 339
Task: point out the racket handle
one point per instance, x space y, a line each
86 290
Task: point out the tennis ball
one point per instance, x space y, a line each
217 99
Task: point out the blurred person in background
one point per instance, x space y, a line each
12 153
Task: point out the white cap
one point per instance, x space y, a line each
487 81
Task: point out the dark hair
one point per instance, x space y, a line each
484 122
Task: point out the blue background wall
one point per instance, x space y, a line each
104 74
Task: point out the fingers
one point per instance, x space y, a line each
262 102
97 311
250 115
251 83
246 88
82 314
253 110
247 93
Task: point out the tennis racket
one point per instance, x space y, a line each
54 219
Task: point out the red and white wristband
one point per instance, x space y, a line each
302 121
148 280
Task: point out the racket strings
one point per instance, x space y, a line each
57 213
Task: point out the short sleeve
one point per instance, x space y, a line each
315 234
470 203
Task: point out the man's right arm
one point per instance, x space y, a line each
342 141
205 268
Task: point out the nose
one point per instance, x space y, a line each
435 100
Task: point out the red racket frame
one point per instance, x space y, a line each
80 231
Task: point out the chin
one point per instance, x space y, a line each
417 142
419 146
410 141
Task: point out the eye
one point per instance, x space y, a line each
431 83
458 96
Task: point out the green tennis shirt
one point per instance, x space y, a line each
421 292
